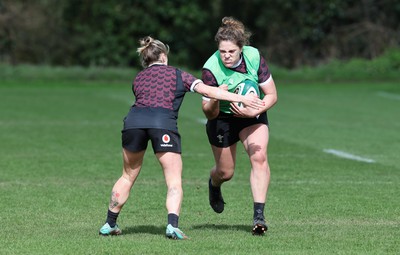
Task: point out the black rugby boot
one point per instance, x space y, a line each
214 195
259 225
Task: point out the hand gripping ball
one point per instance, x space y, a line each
247 87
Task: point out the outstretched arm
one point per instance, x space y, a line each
220 94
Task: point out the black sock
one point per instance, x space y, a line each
258 209
112 218
213 188
173 219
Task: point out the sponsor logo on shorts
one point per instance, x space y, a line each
166 139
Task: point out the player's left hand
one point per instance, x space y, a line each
243 112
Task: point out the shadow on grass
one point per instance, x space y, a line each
144 229
245 228
156 230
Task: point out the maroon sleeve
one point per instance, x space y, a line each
263 71
208 78
187 79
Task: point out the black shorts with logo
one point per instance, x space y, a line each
162 140
224 130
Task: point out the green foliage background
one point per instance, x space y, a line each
289 33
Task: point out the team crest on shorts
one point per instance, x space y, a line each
166 139
220 138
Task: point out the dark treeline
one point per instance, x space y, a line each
289 33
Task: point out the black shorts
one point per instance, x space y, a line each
224 130
162 140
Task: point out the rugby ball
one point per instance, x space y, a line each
247 87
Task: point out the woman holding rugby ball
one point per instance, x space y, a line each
233 63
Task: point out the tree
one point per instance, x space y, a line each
289 33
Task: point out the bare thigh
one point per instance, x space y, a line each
255 141
171 164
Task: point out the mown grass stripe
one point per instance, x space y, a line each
388 95
347 155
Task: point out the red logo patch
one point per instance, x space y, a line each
166 138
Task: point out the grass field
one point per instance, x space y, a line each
60 155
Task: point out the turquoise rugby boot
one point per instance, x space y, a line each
175 233
106 230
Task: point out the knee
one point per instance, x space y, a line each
259 160
225 175
130 174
